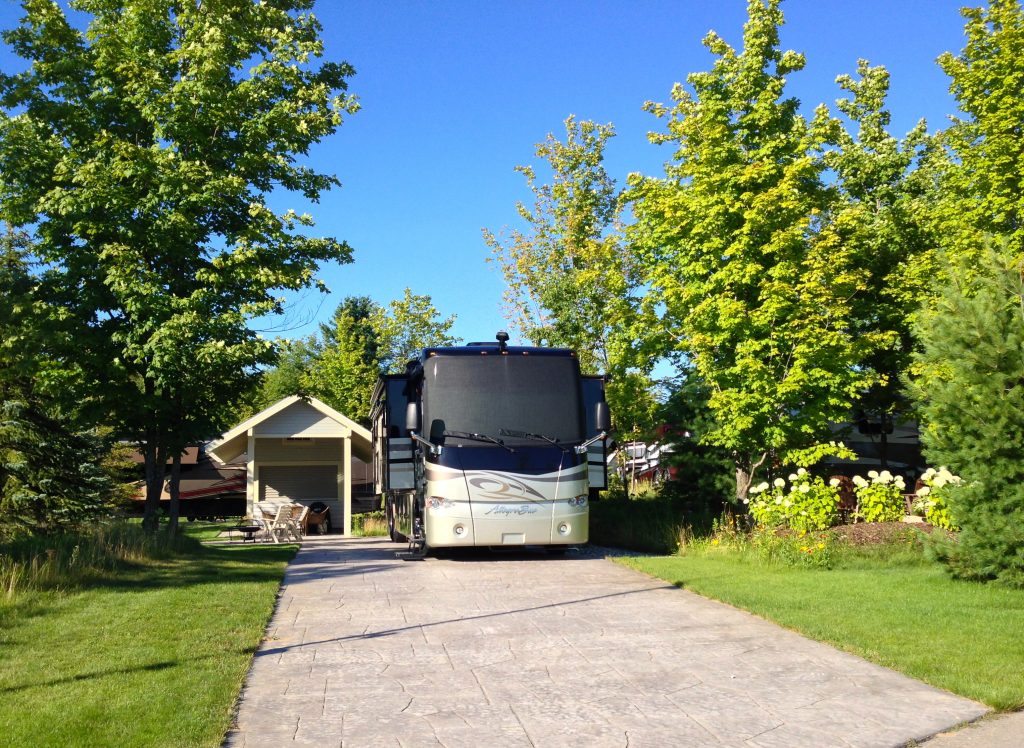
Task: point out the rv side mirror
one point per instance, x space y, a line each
412 417
602 419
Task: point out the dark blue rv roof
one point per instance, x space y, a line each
493 349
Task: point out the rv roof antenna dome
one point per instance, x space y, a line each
502 338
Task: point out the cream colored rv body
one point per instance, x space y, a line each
489 445
486 507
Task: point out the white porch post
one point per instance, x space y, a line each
346 478
250 475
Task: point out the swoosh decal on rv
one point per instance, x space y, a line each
436 472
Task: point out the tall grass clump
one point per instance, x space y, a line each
66 560
369 524
817 549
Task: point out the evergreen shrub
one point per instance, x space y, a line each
970 393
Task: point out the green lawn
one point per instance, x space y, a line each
150 655
960 636
203 529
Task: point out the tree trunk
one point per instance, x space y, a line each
155 457
149 461
743 480
631 491
883 447
172 524
746 467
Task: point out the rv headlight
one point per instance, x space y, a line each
580 501
564 528
460 530
439 502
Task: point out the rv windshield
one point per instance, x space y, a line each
491 394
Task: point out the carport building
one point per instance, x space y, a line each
301 450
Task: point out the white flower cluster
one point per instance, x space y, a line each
937 479
799 483
759 488
930 499
882 478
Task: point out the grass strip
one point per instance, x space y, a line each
964 637
151 654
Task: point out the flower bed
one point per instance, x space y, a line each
807 503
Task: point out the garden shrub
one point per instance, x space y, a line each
881 498
655 516
938 514
809 504
649 525
932 497
697 504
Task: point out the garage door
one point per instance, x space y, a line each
292 483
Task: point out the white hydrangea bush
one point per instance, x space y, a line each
880 496
808 504
932 497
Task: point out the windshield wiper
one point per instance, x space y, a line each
535 437
479 438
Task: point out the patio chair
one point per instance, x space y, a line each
319 517
278 524
296 519
265 513
847 498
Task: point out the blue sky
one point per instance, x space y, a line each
455 94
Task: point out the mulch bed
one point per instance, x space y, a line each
876 533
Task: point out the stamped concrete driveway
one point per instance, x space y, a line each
523 650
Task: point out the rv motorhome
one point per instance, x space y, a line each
490 445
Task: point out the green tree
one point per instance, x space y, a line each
749 291
143 151
52 462
983 190
705 484
358 311
341 374
405 328
571 278
881 218
971 400
365 340
285 378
